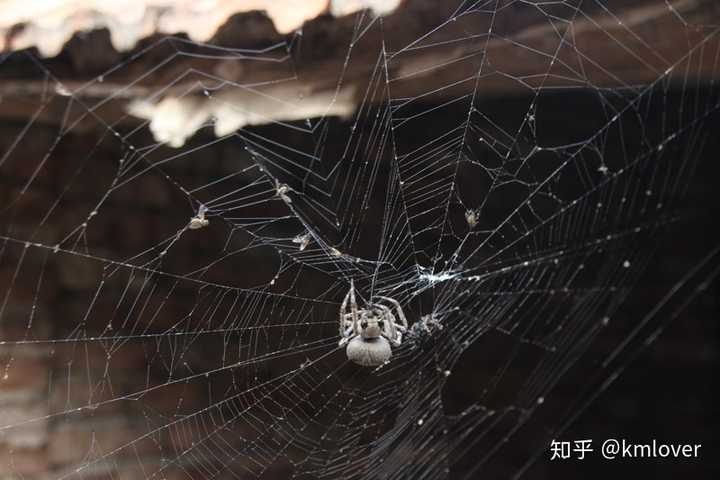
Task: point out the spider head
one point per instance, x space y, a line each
371 324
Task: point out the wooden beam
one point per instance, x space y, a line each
520 48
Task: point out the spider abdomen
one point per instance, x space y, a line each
369 352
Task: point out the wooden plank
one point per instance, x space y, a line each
623 45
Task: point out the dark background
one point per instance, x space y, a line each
666 393
663 385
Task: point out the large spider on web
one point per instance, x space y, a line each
370 331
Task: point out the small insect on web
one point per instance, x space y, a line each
199 220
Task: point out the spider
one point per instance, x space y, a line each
370 331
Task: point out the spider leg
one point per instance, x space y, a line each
399 311
354 308
347 336
349 297
347 322
391 329
342 315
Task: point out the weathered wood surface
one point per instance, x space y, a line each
516 49
49 24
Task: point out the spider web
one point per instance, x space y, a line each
213 353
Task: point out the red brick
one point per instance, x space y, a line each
22 461
73 441
27 422
23 373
